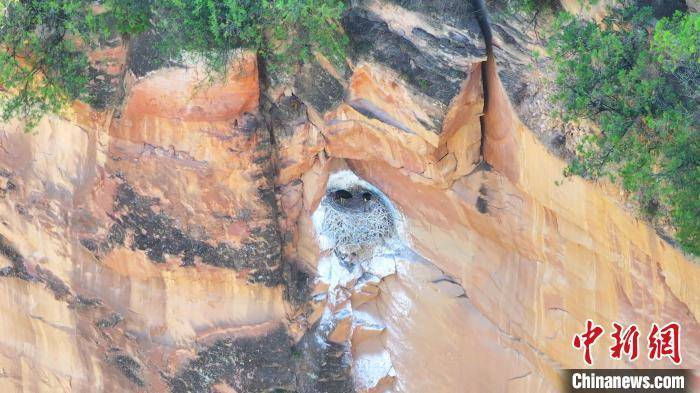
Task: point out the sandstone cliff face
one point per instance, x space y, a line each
177 242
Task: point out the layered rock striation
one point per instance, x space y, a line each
176 242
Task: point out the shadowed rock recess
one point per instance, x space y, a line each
393 226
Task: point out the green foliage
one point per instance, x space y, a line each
530 6
44 66
282 31
129 17
211 29
675 46
309 20
638 80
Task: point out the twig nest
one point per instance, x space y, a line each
355 218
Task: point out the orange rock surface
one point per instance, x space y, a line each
134 240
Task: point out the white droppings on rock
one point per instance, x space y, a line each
331 272
371 367
381 266
359 279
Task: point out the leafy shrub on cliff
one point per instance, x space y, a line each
531 6
638 80
44 65
282 31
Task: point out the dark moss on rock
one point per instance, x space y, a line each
371 38
129 367
17 268
139 222
157 235
9 185
109 321
55 284
144 55
285 115
92 245
269 363
116 235
82 302
482 205
322 366
102 89
458 13
456 44
318 88
298 284
249 364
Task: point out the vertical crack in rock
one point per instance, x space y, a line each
297 284
283 117
482 18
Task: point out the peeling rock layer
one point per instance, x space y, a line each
171 244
